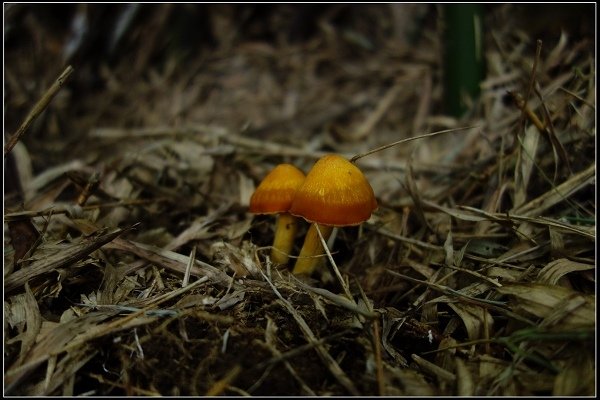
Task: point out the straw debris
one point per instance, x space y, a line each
132 266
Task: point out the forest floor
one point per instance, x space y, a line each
132 265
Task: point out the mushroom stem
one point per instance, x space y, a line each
312 247
285 231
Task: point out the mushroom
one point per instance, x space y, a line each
335 193
274 195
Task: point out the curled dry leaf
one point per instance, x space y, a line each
556 269
477 320
541 300
23 235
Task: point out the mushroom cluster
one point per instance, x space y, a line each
335 193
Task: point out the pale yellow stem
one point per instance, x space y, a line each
307 262
285 232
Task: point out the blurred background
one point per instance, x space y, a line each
288 69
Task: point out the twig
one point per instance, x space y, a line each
538 52
426 135
342 301
38 108
335 268
433 369
378 361
557 193
70 209
188 268
222 383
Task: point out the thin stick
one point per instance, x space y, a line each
38 108
69 208
188 268
219 386
378 360
334 265
387 146
538 52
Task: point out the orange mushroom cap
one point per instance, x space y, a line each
335 192
276 192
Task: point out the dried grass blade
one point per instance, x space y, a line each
449 291
78 332
465 384
556 269
109 285
449 250
478 275
576 378
269 147
473 214
199 229
557 194
413 383
433 369
456 213
508 219
50 343
378 360
38 108
334 266
63 258
172 260
466 295
530 87
188 268
218 387
543 300
426 135
65 369
557 147
389 323
341 301
474 318
409 240
415 195
525 163
33 323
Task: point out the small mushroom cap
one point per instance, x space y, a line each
276 192
335 192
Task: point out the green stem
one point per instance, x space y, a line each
463 55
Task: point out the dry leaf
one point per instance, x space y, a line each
525 163
464 378
474 318
556 269
23 235
576 377
543 300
